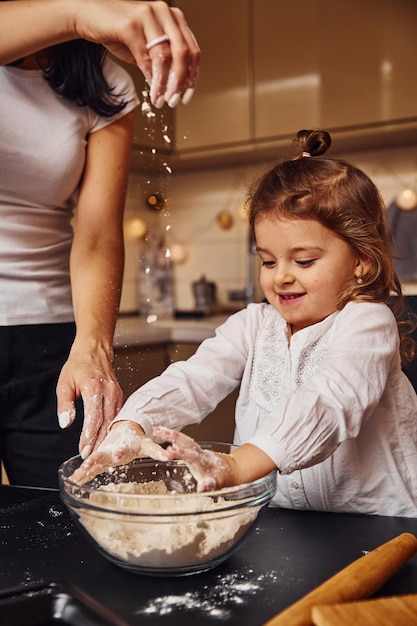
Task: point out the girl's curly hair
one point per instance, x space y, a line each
345 200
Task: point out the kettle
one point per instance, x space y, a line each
205 295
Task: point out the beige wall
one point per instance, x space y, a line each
194 202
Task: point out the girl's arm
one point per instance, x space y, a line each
96 267
123 26
184 393
187 391
127 440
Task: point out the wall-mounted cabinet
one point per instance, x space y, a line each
219 113
285 61
270 68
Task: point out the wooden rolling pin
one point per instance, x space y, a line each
358 580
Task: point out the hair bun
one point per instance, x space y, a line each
314 142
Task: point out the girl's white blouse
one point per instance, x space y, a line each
330 405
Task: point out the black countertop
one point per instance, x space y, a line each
286 555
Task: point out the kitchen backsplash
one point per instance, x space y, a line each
203 221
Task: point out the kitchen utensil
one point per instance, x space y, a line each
358 580
392 611
204 295
135 519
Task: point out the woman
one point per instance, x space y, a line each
66 131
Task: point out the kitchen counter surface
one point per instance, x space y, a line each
134 330
287 554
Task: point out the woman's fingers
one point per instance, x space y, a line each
154 36
174 54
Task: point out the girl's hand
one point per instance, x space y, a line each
210 469
152 35
126 441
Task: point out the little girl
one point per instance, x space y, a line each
323 399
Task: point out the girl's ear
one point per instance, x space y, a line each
362 268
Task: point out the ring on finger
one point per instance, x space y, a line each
156 41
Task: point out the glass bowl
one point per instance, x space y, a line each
147 517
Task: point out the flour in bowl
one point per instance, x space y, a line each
179 530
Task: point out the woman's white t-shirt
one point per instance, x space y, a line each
43 139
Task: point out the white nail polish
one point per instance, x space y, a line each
174 100
188 94
160 101
64 419
86 451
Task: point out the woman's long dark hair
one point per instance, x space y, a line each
75 71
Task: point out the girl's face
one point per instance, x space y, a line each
305 267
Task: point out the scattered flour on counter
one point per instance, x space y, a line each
53 512
217 600
177 538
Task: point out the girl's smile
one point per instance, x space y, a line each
287 298
305 268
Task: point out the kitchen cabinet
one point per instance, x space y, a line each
337 65
270 68
135 365
219 425
219 112
285 66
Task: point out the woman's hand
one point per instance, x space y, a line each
211 470
151 35
130 29
89 375
125 441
